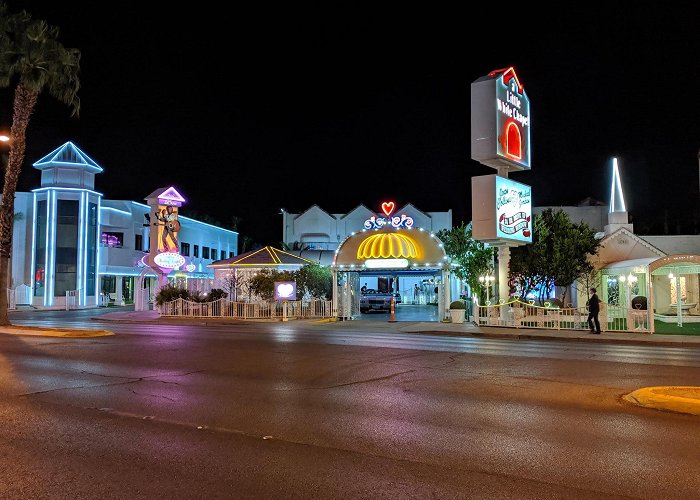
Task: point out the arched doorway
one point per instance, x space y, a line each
408 264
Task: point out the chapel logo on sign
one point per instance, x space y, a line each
169 260
512 118
397 221
513 210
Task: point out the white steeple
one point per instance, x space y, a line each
617 214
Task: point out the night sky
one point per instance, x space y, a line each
249 111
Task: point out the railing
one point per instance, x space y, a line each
222 308
11 303
519 314
72 299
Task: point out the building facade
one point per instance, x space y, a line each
71 244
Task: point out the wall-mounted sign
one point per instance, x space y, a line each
397 221
169 260
170 197
190 267
501 210
285 290
500 121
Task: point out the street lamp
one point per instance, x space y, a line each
486 280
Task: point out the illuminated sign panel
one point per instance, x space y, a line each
285 290
501 121
169 260
501 211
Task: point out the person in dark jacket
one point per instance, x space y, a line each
593 310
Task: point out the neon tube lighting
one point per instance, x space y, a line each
616 189
33 257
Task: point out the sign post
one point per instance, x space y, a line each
164 228
500 138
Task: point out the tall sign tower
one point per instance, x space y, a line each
164 250
501 139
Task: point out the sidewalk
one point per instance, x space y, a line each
436 327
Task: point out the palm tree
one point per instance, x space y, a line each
31 56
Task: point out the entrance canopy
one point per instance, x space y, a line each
390 249
676 264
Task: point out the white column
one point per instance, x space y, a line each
503 265
448 292
334 288
119 298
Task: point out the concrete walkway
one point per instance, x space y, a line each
670 398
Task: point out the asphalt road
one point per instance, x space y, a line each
309 410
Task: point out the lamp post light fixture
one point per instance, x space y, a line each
486 280
629 281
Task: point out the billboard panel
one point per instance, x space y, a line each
501 211
500 121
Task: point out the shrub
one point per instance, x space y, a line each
216 294
458 304
169 293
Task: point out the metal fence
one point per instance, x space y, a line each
222 308
519 314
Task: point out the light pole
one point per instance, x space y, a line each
486 280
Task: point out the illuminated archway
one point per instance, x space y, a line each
390 248
513 141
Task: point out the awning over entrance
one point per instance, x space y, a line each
676 264
390 248
637 266
679 264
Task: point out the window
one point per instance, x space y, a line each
115 240
205 252
138 241
66 259
214 254
231 255
185 249
196 251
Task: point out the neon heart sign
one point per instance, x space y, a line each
396 221
388 207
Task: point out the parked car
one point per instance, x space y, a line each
372 300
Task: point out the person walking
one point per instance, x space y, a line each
593 310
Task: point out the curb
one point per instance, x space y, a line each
54 332
679 399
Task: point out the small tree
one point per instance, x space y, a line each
232 282
470 258
262 284
314 280
558 256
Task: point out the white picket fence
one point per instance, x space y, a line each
72 297
519 314
20 296
222 308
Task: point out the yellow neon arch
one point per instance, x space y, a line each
385 246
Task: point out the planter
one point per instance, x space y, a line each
457 315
